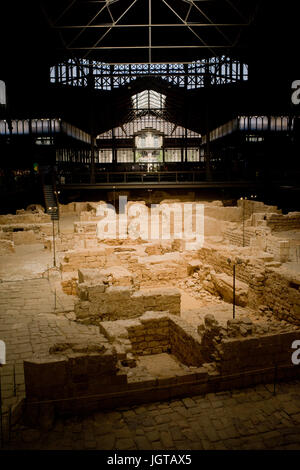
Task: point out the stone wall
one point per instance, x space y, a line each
284 249
243 346
102 302
74 207
76 377
115 275
18 231
64 242
73 241
70 286
185 342
236 237
155 333
250 207
255 353
150 335
282 294
279 222
251 270
72 370
75 259
21 235
85 227
268 286
25 218
159 268
26 237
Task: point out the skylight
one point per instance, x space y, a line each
148 99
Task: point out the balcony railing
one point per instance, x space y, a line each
120 177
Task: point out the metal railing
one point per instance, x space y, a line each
140 177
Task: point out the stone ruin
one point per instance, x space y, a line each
133 297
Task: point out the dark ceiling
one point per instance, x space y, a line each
149 30
40 33
118 31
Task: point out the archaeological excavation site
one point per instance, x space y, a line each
149 228
94 323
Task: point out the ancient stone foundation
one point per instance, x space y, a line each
82 377
101 302
154 333
242 346
135 301
260 281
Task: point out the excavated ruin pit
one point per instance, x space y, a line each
104 291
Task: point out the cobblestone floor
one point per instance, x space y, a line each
247 419
32 318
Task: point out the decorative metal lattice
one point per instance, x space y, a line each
212 71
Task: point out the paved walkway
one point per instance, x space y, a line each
32 318
244 419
